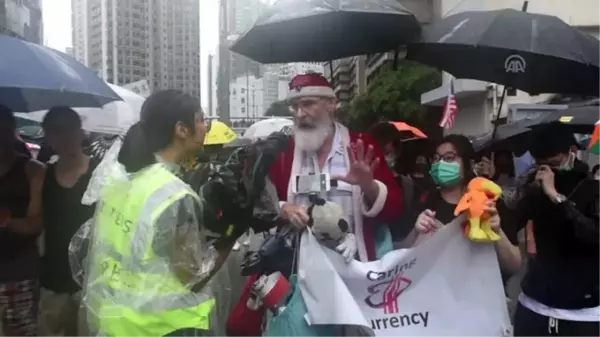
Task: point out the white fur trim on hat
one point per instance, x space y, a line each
317 91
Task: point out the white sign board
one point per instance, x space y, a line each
141 87
446 285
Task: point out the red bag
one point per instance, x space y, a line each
243 321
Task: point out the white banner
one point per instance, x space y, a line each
446 285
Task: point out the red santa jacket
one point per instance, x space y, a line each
280 173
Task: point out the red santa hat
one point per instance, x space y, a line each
310 85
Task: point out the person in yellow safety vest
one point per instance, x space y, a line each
149 258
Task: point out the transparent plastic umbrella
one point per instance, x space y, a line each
112 118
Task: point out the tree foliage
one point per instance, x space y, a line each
394 95
279 109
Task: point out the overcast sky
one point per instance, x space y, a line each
57 29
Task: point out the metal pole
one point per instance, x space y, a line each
498 113
253 103
331 71
247 89
525 4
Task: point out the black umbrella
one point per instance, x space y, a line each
325 30
532 52
579 119
507 135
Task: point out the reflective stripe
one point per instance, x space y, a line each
133 265
140 242
154 303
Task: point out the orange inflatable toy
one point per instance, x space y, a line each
480 192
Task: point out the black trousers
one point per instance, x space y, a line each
529 323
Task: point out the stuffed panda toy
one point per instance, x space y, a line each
327 221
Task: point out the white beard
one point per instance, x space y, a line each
311 140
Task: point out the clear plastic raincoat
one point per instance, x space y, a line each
144 261
149 261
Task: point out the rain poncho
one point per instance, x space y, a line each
192 237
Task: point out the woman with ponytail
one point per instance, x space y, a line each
150 257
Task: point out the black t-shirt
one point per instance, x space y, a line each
444 212
63 215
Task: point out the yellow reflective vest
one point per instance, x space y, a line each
132 291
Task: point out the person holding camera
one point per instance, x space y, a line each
560 288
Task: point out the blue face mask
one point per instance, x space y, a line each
445 173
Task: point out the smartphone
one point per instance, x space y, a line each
313 183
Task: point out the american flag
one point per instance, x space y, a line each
450 109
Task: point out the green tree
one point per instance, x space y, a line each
279 109
394 95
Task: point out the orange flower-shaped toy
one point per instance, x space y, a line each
480 192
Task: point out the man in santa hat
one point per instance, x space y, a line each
324 149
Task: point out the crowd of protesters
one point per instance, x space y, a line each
38 294
556 198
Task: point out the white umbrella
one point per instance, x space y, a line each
264 128
113 118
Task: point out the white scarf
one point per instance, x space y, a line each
356 192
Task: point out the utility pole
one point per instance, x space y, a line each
253 103
247 88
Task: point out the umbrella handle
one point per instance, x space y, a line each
498 113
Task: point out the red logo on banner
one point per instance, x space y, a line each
391 293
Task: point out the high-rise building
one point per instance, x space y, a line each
22 19
212 72
236 17
132 40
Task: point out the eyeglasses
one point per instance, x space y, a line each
448 156
208 123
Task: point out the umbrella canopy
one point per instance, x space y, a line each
264 128
37 78
325 30
516 131
580 119
401 126
113 118
219 134
531 52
